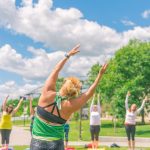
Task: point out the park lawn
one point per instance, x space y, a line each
21 123
78 148
107 129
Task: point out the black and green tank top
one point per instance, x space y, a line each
44 131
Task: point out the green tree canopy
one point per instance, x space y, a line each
129 69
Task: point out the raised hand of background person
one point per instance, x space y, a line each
146 99
74 50
30 98
103 69
21 99
128 93
4 103
7 96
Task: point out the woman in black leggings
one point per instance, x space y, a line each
130 123
95 123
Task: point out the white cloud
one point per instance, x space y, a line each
146 14
14 90
41 63
59 28
39 66
128 23
142 33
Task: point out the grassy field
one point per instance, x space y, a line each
106 130
81 148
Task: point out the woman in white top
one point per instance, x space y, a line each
130 121
95 122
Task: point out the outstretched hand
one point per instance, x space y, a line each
74 50
21 100
103 69
128 94
7 96
146 98
30 98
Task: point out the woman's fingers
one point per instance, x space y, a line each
76 47
74 50
104 67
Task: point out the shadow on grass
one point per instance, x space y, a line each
142 132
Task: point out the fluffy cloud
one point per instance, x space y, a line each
146 14
59 28
62 28
14 90
138 33
33 68
40 65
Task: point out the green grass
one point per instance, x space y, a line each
106 130
21 122
78 148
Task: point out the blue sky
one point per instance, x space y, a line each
109 12
112 19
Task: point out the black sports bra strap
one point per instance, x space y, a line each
53 108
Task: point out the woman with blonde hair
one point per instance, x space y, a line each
55 108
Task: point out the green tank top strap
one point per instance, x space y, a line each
59 99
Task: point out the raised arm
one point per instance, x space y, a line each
18 106
143 103
98 104
91 107
4 103
80 101
31 108
50 84
126 100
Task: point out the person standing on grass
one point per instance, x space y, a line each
130 120
32 113
55 108
6 123
95 120
66 131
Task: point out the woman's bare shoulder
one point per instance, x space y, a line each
47 97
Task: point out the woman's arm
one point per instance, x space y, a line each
142 106
18 106
31 108
80 101
91 107
50 84
126 100
4 103
98 104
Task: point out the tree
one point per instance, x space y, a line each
129 69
